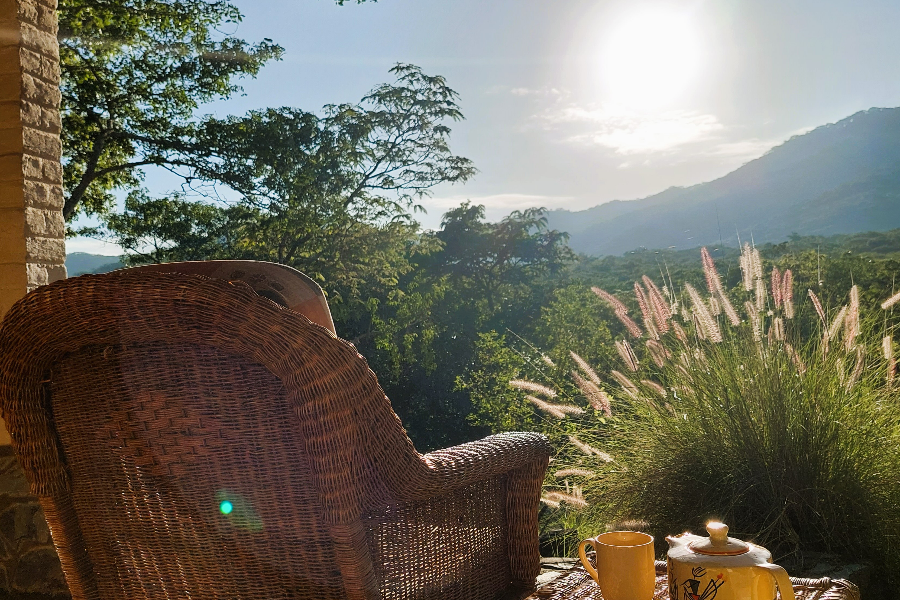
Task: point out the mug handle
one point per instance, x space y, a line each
584 559
781 580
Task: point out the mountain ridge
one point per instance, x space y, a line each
842 177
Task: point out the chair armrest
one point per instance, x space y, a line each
522 458
443 471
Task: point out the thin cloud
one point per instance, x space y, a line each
543 92
744 149
631 132
750 149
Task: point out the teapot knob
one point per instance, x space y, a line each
718 533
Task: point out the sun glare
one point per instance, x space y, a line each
649 59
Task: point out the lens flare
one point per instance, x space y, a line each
226 507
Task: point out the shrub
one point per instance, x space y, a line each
719 414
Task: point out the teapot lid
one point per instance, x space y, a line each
718 542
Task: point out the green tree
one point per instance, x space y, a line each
486 277
133 73
498 262
330 195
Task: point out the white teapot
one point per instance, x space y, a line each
722 568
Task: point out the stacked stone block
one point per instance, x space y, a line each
32 253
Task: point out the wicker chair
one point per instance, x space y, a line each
188 438
279 283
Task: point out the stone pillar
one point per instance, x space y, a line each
33 249
32 253
32 230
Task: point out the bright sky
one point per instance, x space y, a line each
572 103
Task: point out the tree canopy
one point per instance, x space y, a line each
133 73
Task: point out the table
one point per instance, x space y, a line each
576 584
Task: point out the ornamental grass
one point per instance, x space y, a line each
715 413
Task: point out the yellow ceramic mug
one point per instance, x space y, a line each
624 569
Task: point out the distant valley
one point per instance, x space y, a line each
837 179
79 263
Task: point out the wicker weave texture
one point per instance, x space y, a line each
146 406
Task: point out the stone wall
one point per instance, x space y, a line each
32 253
29 566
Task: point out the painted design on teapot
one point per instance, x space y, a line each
691 587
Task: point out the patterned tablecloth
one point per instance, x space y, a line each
576 584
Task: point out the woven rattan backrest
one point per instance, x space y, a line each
163 395
285 285
170 439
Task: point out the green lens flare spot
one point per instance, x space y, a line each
226 507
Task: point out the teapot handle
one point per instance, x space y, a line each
781 579
584 559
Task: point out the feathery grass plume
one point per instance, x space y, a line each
887 346
714 308
713 281
627 355
891 301
643 304
574 473
652 333
698 326
836 323
818 306
760 295
755 322
778 329
620 310
658 353
757 264
787 294
851 324
732 315
707 322
719 301
746 263
626 383
560 497
680 333
565 409
569 409
549 502
858 367
839 367
547 361
590 450
551 409
661 311
530 386
795 358
655 387
596 397
613 302
776 287
585 367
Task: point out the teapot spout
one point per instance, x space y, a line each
676 541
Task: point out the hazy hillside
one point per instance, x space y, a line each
79 263
839 178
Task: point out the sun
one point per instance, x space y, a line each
650 58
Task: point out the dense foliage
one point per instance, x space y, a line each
133 73
779 415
